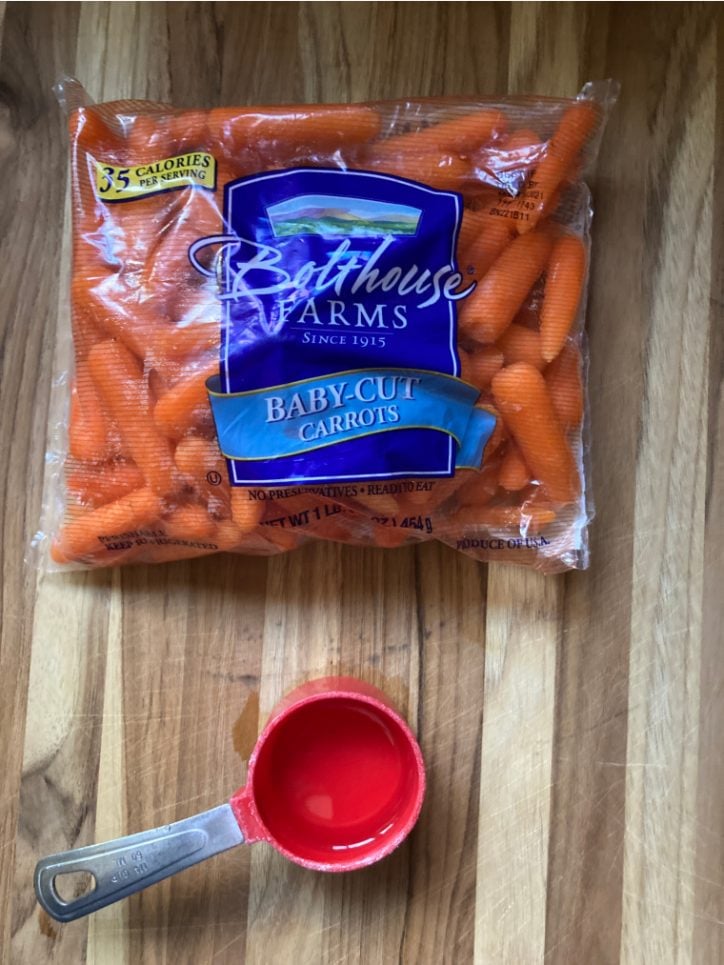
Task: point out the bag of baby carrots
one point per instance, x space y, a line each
355 322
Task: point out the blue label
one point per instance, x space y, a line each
338 357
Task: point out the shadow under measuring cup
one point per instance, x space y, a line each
336 782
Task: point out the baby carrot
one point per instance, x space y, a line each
229 538
245 512
471 224
321 126
158 384
562 295
383 504
521 344
148 139
480 365
190 523
390 537
521 145
187 131
514 473
205 468
562 150
89 430
96 301
442 171
86 331
521 395
324 126
487 244
196 457
92 134
563 378
95 485
185 405
281 540
177 341
521 519
482 485
486 313
119 379
227 535
82 535
461 134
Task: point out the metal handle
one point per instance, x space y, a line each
127 865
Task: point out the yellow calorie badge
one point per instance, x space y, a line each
197 170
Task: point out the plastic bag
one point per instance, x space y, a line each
360 322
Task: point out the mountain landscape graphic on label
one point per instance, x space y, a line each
342 217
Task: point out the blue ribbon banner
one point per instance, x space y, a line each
286 420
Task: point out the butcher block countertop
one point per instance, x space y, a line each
573 726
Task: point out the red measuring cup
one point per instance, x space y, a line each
336 782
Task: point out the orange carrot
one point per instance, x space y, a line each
445 172
148 140
461 134
86 331
96 301
95 485
482 485
486 313
94 135
190 523
390 537
479 197
562 150
523 142
521 519
245 511
514 473
185 405
121 384
480 365
471 224
82 535
205 468
521 344
158 384
282 540
196 457
178 341
89 430
487 245
187 131
382 504
521 395
321 126
564 284
228 536
563 378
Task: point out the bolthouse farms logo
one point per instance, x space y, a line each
338 356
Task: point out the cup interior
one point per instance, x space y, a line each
337 781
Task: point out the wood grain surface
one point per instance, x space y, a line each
572 727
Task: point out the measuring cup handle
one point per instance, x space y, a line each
127 865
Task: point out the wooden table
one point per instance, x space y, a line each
572 726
